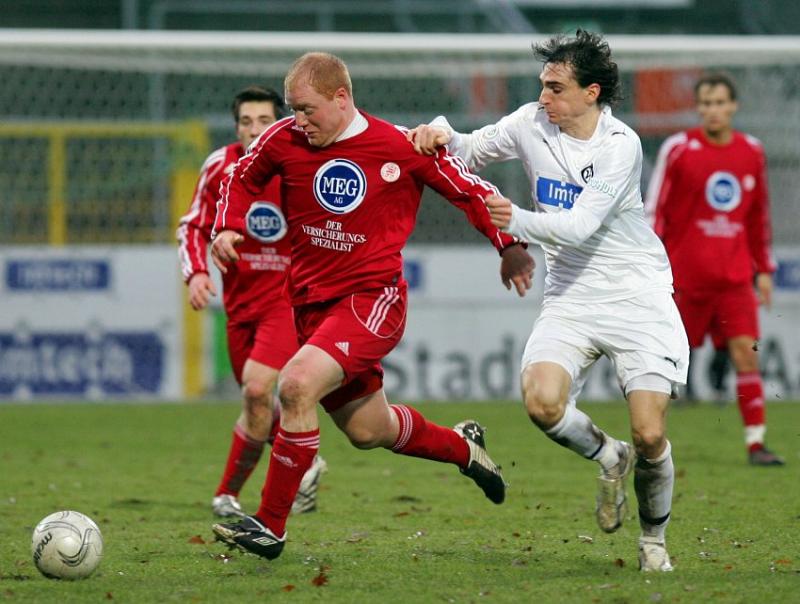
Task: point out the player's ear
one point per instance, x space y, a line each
341 97
592 93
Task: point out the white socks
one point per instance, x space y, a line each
754 434
653 481
576 431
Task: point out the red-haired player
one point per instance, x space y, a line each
260 329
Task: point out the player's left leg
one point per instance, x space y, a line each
257 423
650 351
257 349
750 396
654 474
371 422
738 308
307 377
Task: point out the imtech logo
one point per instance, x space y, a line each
559 193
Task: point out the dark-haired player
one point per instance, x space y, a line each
609 286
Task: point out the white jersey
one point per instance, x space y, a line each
588 212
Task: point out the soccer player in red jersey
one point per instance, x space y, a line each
708 202
351 184
260 328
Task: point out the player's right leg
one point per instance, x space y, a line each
370 422
555 363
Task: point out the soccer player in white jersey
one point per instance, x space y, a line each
608 289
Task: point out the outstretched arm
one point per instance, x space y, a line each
486 145
564 228
449 177
614 178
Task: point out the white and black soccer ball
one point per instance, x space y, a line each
66 545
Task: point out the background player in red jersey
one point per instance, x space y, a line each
708 202
260 329
352 185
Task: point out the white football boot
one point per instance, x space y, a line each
653 555
611 497
306 498
226 506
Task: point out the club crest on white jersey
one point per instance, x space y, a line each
723 191
265 222
340 186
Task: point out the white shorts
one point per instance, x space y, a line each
641 336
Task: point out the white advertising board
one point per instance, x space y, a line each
466 333
90 322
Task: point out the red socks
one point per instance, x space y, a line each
242 458
420 438
750 396
292 456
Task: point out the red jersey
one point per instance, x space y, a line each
709 204
352 205
252 284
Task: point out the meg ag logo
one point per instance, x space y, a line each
340 186
265 222
723 191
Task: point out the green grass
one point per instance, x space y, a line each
394 529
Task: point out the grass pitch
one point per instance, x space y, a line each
395 529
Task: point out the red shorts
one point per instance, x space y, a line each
357 331
270 340
725 314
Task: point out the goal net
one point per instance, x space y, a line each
107 177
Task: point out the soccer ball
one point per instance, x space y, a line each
66 545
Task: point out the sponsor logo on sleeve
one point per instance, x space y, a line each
265 222
556 192
723 191
340 186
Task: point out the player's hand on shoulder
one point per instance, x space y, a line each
499 210
201 288
223 249
426 139
517 267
